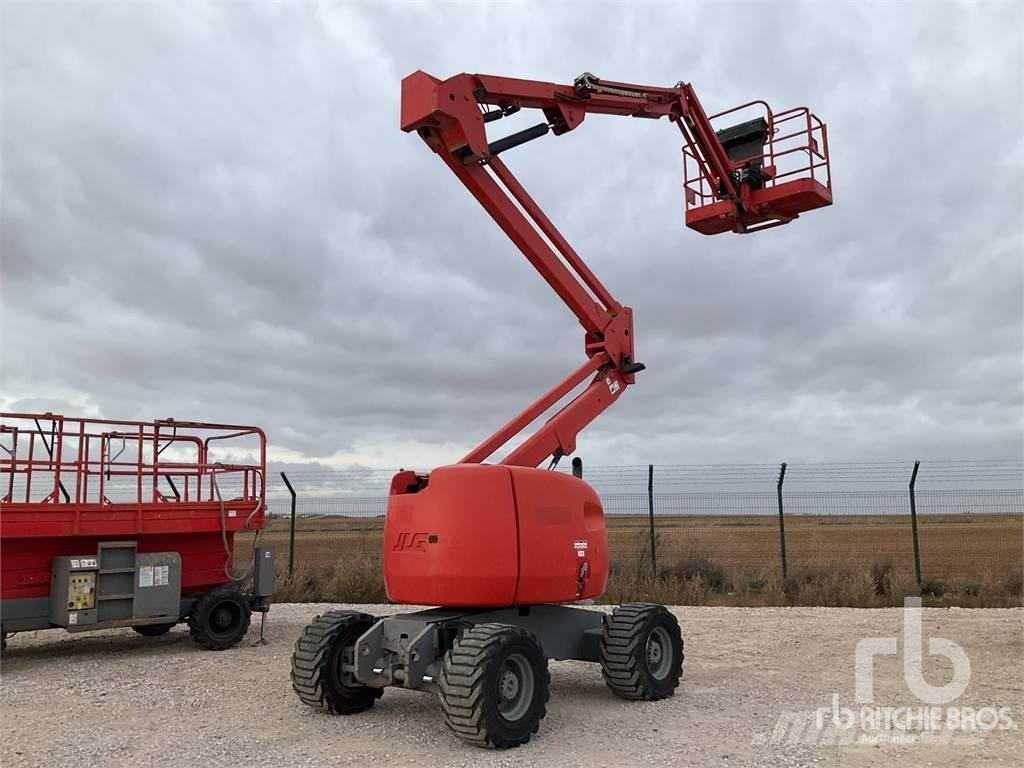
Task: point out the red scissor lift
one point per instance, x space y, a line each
130 524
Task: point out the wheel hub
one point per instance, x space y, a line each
515 687
224 618
659 653
653 652
509 685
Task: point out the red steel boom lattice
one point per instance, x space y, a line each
501 548
732 183
744 178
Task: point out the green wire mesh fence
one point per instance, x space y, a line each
738 521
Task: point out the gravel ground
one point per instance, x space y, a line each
113 698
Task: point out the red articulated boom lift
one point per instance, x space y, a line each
500 546
129 524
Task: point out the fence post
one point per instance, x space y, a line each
650 518
782 523
291 530
913 524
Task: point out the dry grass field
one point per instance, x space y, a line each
832 559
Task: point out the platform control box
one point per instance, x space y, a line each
115 586
73 590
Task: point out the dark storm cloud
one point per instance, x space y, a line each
209 212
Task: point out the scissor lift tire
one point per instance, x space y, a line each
153 630
220 618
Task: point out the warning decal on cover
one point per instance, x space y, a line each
161 576
580 545
146 576
72 618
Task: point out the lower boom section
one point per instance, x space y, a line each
489 667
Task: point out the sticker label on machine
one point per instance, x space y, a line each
83 562
154 575
580 545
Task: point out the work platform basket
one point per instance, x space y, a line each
781 168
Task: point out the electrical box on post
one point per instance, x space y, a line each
263 573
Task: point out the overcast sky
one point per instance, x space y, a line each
210 213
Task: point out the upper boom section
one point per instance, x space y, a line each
735 187
455 106
760 173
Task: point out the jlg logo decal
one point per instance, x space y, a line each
411 542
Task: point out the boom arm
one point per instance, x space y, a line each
451 117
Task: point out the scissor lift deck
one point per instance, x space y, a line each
129 524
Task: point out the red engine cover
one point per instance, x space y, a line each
493 535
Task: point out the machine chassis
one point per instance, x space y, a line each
488 666
407 649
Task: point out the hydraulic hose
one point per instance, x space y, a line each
228 564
